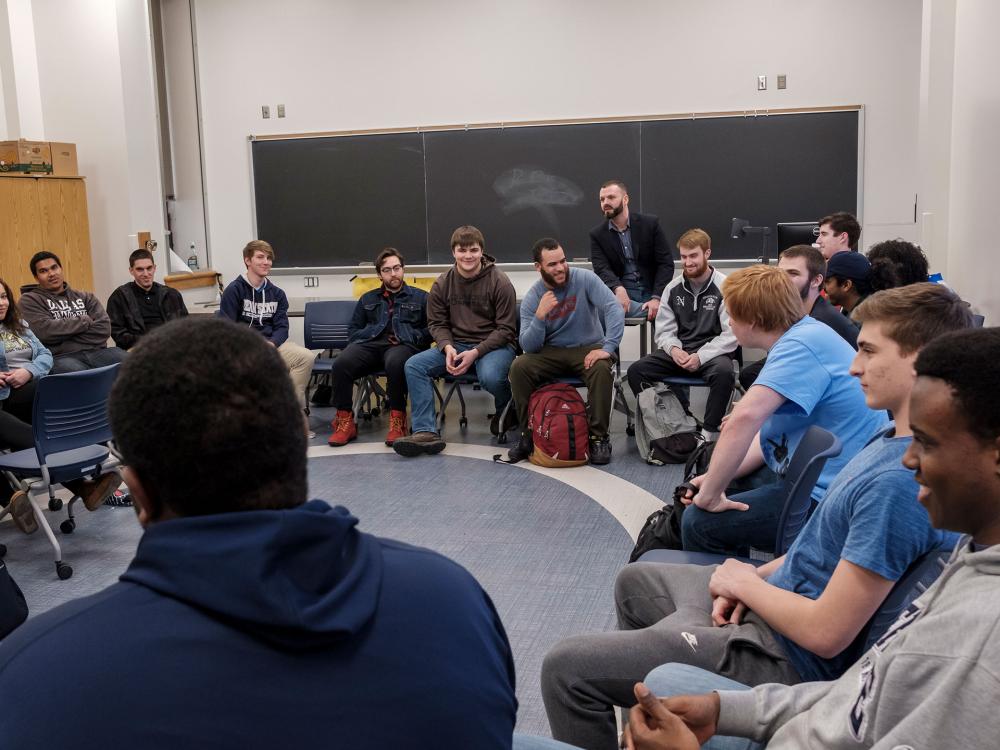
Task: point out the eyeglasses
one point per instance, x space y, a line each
391 269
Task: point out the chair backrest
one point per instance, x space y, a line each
326 324
71 410
915 581
978 321
811 454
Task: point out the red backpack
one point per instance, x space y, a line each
557 421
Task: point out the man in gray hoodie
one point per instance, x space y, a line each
932 680
472 315
72 324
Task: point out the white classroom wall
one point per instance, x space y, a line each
343 66
388 63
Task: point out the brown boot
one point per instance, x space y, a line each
22 513
344 429
397 426
94 492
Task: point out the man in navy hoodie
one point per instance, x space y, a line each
253 300
251 618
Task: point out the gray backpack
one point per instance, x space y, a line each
659 415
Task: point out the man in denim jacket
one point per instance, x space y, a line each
389 326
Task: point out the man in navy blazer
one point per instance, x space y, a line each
630 253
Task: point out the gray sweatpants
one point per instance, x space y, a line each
665 615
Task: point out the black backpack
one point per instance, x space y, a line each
662 529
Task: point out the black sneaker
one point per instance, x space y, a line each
419 444
522 450
600 451
119 499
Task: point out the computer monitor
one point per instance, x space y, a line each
796 233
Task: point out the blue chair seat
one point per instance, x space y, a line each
683 557
61 465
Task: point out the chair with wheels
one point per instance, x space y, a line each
684 382
813 451
915 581
326 326
72 439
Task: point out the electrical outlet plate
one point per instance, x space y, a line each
310 282
281 110
782 81
761 83
265 111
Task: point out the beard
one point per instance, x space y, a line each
613 212
804 292
698 272
551 281
393 285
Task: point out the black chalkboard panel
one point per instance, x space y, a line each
766 169
338 201
335 201
520 184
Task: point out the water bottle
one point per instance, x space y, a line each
193 259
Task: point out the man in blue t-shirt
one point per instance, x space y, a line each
805 382
796 618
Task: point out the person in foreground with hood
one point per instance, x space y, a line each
251 299
472 314
249 617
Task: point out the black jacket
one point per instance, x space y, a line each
653 258
126 320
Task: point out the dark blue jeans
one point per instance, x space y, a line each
733 532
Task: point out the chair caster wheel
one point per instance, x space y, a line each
630 431
375 412
463 422
63 570
68 526
55 504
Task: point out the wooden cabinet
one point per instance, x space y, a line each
44 213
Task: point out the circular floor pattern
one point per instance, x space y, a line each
546 553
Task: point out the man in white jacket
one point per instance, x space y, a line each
693 336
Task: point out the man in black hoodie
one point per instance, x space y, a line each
251 617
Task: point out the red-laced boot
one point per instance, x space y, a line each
397 426
344 429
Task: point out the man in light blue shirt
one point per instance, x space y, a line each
571 325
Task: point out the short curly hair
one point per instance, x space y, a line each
896 263
969 363
204 412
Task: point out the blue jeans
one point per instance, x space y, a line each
639 297
681 679
422 368
665 682
733 532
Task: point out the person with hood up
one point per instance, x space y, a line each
251 617
472 314
253 300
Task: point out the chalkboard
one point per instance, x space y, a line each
335 201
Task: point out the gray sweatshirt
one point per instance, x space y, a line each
67 321
931 682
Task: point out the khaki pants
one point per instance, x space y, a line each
530 371
300 363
